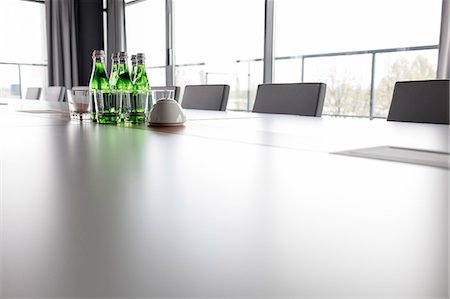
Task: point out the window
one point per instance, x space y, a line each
359 48
338 42
145 30
217 42
23 54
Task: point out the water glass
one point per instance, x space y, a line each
108 106
136 106
79 103
163 94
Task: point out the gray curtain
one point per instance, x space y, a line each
74 30
116 34
62 43
443 69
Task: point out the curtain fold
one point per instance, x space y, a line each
116 35
443 68
62 43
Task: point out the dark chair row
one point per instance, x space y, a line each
54 93
299 98
413 101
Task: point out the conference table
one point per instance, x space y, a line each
230 205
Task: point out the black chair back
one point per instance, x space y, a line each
33 93
206 97
297 98
55 93
420 101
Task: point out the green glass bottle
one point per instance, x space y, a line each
140 81
133 67
98 83
141 99
124 84
114 71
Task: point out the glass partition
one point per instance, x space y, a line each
23 57
400 66
145 30
331 38
212 37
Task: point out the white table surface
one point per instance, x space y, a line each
230 205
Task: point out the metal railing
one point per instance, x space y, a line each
373 53
178 65
248 78
304 58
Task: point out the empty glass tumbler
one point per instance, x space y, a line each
79 103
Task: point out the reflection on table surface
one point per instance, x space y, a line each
222 207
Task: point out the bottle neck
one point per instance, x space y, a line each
99 59
99 67
99 76
98 64
123 64
141 80
140 68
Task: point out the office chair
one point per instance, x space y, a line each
420 101
55 93
176 90
33 93
206 97
297 98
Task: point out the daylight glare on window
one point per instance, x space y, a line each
23 57
337 42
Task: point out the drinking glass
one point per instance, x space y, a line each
79 103
136 106
163 94
108 106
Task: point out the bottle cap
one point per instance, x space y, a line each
140 58
122 55
133 58
98 53
114 56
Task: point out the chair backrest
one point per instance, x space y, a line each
207 97
55 93
296 98
176 90
420 101
33 93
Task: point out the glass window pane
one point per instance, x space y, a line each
33 76
304 28
213 39
250 74
288 70
157 75
399 66
25 46
9 84
26 42
348 82
146 32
